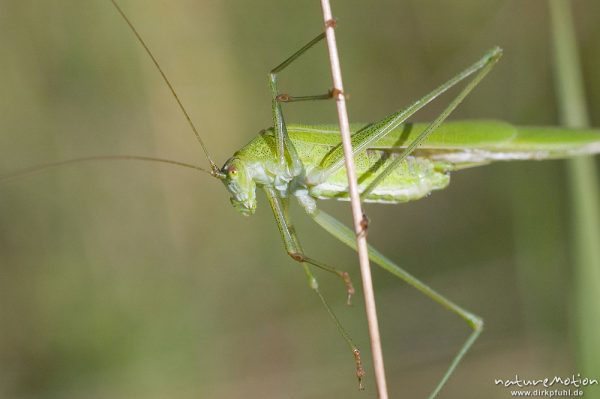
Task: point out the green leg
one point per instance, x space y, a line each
364 138
347 236
432 126
281 136
292 245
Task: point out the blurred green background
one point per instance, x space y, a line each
135 280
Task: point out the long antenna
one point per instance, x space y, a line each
213 167
38 168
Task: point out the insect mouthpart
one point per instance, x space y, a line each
246 208
240 184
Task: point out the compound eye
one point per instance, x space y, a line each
232 171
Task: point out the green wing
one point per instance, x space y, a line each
453 146
471 142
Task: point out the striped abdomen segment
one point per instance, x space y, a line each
414 178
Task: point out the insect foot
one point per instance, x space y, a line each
360 371
331 23
284 98
336 93
349 287
364 225
298 257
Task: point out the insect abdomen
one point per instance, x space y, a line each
414 178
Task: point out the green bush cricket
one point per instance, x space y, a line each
303 161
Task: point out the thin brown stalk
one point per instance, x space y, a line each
357 213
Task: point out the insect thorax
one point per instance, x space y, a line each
414 178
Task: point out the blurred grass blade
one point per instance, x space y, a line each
585 202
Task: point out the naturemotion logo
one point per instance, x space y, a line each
557 386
